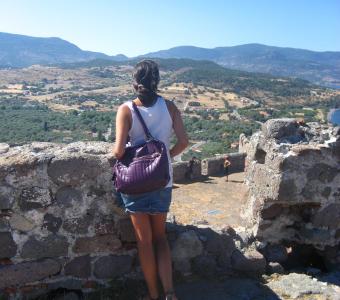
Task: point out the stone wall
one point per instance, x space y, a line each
293 175
214 165
61 226
182 173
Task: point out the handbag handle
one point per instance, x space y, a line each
145 128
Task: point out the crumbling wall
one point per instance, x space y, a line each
181 171
293 175
214 165
61 227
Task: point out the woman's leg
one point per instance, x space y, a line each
142 225
162 251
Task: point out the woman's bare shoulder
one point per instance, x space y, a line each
171 106
124 112
123 108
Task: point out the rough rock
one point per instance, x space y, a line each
205 266
6 197
275 253
125 230
187 246
100 243
79 225
275 267
4 225
65 283
8 248
28 272
50 246
328 216
34 197
52 223
183 266
19 222
79 267
298 286
67 196
281 128
73 169
219 244
106 226
250 262
112 266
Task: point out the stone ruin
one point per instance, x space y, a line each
61 227
293 176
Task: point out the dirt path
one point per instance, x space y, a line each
213 202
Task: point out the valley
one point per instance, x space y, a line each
78 101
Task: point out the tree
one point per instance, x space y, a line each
100 136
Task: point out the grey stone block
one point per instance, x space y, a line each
73 169
79 267
8 247
328 216
112 266
6 197
250 262
275 253
28 272
68 196
187 246
34 197
204 266
100 243
19 222
4 225
50 246
275 267
79 225
52 223
280 128
125 230
65 283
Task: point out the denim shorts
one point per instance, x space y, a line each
152 202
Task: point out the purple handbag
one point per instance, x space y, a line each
143 168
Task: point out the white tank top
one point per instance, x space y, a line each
159 122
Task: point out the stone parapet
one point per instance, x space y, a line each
61 226
293 175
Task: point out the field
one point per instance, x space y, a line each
73 102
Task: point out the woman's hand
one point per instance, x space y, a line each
178 126
123 125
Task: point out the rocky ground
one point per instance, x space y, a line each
290 286
213 201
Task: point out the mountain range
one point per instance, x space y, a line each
22 51
318 67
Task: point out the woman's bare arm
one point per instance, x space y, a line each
178 126
123 124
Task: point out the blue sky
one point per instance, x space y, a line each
136 27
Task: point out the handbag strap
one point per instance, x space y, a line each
145 128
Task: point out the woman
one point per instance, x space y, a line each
226 165
148 211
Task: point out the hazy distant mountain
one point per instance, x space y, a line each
21 51
318 67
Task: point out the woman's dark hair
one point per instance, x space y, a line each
145 80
